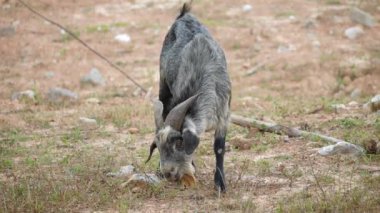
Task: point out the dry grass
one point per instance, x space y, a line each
50 162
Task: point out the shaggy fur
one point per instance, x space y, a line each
192 63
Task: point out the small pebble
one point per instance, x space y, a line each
123 38
247 7
353 32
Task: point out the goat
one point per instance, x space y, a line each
194 97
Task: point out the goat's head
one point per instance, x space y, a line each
176 152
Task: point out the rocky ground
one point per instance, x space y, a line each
67 119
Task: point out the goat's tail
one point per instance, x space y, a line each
185 9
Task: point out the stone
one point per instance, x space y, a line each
123 171
123 38
362 17
88 122
374 103
141 181
286 48
27 94
353 32
341 148
247 8
353 104
285 138
58 94
356 93
93 77
7 31
339 107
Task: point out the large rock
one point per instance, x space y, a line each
58 94
341 148
93 77
362 17
138 182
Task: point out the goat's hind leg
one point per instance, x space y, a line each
219 150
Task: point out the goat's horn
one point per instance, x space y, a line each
151 149
158 109
177 114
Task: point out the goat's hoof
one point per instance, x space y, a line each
220 184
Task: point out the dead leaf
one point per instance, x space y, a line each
188 180
133 130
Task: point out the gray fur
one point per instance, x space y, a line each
191 63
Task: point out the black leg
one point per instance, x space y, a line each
219 150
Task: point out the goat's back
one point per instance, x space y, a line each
192 62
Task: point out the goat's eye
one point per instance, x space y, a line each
179 145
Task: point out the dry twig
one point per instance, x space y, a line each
283 130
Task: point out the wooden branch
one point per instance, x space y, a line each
265 126
340 145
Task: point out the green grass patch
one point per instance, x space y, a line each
354 200
350 123
263 167
74 136
65 37
284 14
102 28
333 2
213 22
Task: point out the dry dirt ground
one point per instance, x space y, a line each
50 162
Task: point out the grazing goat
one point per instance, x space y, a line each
194 97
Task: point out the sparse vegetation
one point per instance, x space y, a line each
51 162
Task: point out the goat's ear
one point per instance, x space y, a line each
153 146
191 141
158 109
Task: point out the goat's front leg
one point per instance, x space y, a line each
219 150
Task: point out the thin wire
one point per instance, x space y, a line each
84 44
